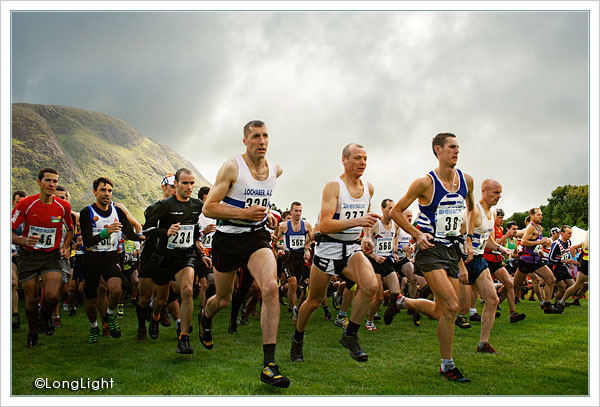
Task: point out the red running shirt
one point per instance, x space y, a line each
495 256
43 220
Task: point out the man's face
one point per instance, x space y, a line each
537 216
387 209
566 235
356 163
16 200
491 193
185 185
257 142
168 190
449 152
62 195
409 216
499 221
103 194
48 183
296 212
513 230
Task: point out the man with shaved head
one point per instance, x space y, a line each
481 221
494 258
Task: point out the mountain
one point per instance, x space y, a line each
84 145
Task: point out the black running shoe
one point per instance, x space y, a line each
475 318
73 311
141 335
94 334
154 329
178 329
376 317
462 322
352 343
205 333
183 346
576 302
32 340
270 374
454 375
417 319
389 313
164 318
113 325
516 317
16 321
550 309
296 353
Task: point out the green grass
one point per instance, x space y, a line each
542 355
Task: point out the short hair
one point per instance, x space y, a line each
385 202
102 180
532 211
203 191
440 140
61 188
295 203
346 150
285 214
252 123
181 171
511 223
45 170
563 228
499 212
20 193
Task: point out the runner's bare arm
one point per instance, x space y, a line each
329 225
416 190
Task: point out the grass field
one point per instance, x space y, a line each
542 355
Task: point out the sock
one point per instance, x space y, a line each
32 321
352 328
141 316
326 309
182 334
14 314
94 324
392 300
155 317
205 322
401 301
473 311
109 311
481 344
298 336
447 364
269 354
341 314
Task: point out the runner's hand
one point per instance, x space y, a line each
463 277
114 227
174 229
255 213
423 241
65 252
209 229
368 220
207 262
379 259
367 245
30 241
271 221
469 250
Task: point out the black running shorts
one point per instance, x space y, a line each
383 269
494 265
293 265
96 265
561 272
439 257
231 251
583 267
166 265
527 268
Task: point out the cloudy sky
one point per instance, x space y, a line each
513 86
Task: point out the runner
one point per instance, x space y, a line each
442 194
101 227
40 251
530 259
16 318
559 260
344 215
582 273
240 199
174 225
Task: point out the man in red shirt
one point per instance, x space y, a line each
40 251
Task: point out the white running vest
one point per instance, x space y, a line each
384 239
247 191
350 208
98 224
203 222
482 232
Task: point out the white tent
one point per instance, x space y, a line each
578 235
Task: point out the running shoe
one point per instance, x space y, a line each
336 301
352 343
296 353
389 313
141 335
294 314
183 346
486 348
178 328
576 302
376 317
498 315
154 329
462 322
475 318
73 311
113 325
16 321
32 340
205 333
94 334
120 310
244 320
270 374
47 325
550 309
370 326
342 322
328 316
57 322
516 317
65 306
164 318
417 319
454 375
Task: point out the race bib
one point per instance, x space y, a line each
106 245
183 239
297 242
206 240
537 249
448 220
256 200
564 257
353 213
47 237
384 246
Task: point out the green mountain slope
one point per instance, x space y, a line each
84 145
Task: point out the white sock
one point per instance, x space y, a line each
109 311
447 364
473 311
94 324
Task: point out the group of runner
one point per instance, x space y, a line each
226 243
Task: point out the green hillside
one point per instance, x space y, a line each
83 145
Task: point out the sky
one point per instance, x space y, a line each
513 87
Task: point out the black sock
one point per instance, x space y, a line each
141 315
298 336
352 328
205 322
32 320
269 354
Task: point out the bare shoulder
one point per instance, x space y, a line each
228 171
279 170
371 189
331 188
468 180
